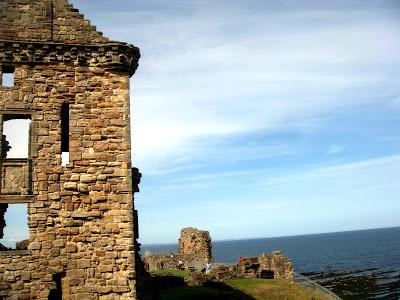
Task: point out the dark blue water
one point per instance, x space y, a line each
378 248
361 264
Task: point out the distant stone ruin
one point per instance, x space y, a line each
274 266
195 243
277 263
265 266
194 251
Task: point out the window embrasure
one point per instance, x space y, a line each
16 133
14 232
15 182
64 116
7 76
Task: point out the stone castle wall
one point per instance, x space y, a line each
274 265
196 243
278 263
46 20
81 217
194 251
163 262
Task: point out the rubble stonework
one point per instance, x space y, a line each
81 217
196 243
275 265
278 263
44 21
265 266
194 251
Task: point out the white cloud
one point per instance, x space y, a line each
335 149
361 174
321 199
217 68
17 134
214 74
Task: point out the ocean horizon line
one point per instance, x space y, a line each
275 237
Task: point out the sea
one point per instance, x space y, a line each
362 264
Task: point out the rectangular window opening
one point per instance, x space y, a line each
57 294
7 78
64 134
15 138
14 231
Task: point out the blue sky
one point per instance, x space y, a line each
262 118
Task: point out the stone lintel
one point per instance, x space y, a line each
14 252
16 199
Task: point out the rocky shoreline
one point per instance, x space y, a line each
370 283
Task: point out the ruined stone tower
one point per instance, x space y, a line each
195 244
71 84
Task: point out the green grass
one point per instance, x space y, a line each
246 289
174 272
262 289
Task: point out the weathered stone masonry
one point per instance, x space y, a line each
82 232
195 244
194 250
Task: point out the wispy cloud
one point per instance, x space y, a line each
239 71
262 102
322 198
376 169
221 68
335 149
